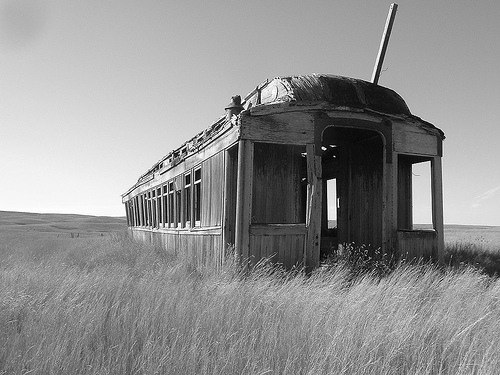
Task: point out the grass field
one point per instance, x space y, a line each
100 303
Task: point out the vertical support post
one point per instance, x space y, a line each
244 199
384 43
314 209
437 207
224 220
390 204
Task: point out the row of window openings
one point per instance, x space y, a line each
170 206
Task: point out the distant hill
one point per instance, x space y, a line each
95 225
60 223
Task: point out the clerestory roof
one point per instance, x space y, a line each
342 92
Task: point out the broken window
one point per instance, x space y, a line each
197 196
414 192
171 205
187 200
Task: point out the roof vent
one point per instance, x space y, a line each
234 108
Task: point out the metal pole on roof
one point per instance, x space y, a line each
383 44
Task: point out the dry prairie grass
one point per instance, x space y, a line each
109 305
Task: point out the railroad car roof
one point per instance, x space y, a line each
343 92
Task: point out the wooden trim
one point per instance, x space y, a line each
244 198
277 229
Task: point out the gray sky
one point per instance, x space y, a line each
94 92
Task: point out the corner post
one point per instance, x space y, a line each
244 199
314 209
437 207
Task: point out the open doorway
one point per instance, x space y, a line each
352 173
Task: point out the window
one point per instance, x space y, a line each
143 210
414 192
187 200
158 207
171 205
149 211
178 207
332 201
153 209
164 209
137 220
422 200
197 196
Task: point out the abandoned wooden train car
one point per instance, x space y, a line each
256 180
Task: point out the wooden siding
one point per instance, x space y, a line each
278 196
312 246
417 244
411 139
404 198
244 198
282 245
201 249
212 190
230 196
287 128
360 190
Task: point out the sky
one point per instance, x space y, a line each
94 92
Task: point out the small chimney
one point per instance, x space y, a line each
234 108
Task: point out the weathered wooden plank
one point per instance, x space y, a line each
277 191
277 229
411 142
283 242
416 244
404 196
229 224
437 207
287 128
244 198
212 183
200 231
285 249
313 216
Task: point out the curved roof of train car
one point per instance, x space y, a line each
337 92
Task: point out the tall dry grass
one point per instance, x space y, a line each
113 306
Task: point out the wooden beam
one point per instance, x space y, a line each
437 207
383 44
283 128
313 211
244 199
277 229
